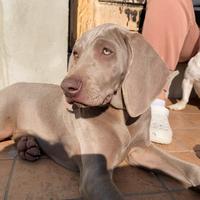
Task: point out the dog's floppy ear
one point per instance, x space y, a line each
146 75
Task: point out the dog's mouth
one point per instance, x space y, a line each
84 104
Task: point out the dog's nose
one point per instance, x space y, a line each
71 86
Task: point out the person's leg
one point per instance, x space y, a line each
170 28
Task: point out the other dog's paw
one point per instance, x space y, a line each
178 106
28 148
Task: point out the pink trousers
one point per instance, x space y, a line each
171 29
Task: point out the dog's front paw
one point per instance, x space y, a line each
28 148
178 106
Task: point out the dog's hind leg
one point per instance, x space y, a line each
153 158
5 129
6 123
26 145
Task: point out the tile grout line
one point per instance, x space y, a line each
188 129
9 179
6 159
185 113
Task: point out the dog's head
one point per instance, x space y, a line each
110 58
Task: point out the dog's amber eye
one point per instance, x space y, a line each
75 54
106 51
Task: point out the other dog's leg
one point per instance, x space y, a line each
153 158
28 148
96 180
187 85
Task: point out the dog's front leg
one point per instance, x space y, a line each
154 158
96 182
143 153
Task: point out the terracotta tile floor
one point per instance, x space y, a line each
45 180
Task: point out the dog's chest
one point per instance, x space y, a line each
104 134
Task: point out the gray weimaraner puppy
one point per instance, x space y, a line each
100 116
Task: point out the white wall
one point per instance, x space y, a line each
33 41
